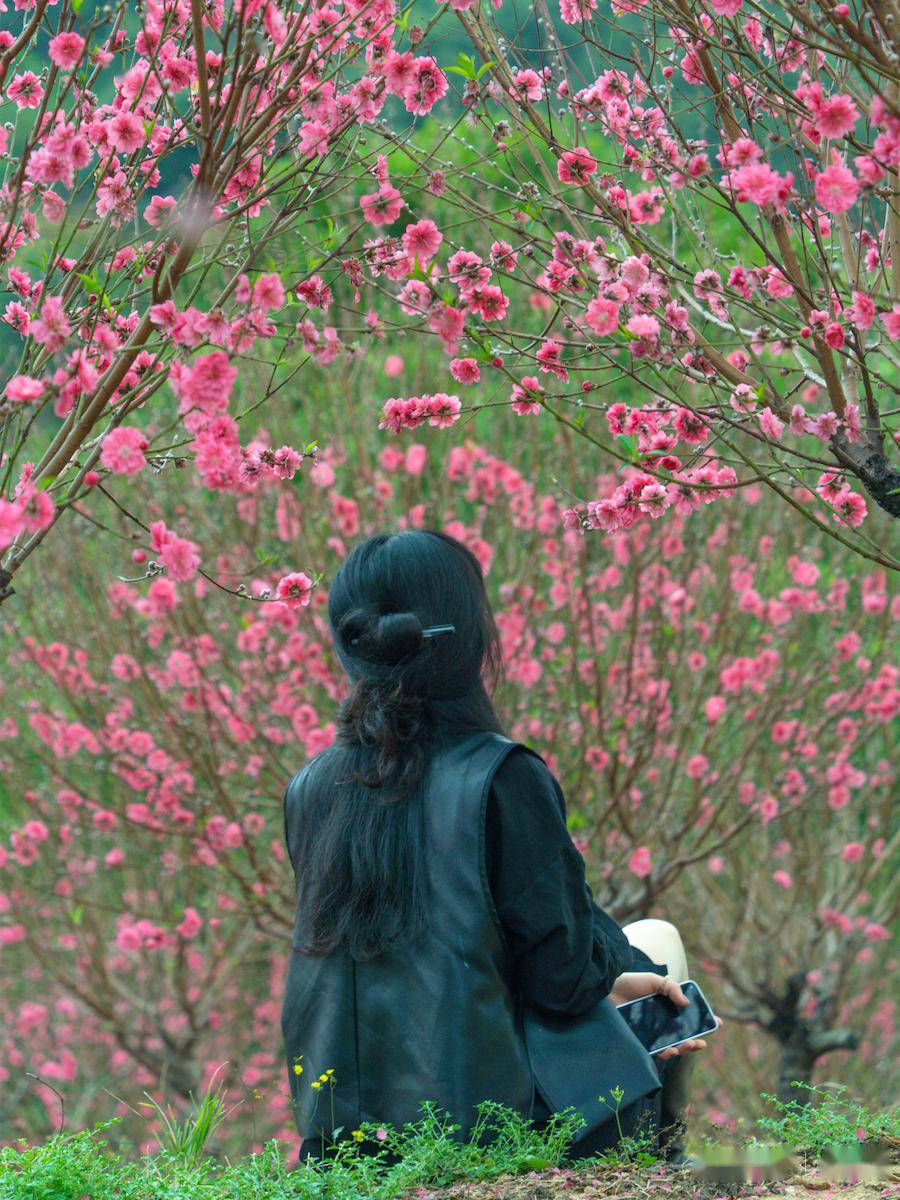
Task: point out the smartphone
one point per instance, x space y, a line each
659 1023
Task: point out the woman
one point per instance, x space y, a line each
446 944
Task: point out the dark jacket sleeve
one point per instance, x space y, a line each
643 963
567 951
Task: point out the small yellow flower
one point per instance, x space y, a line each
358 1135
323 1079
298 1068
315 1086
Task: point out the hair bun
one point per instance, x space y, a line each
388 639
397 636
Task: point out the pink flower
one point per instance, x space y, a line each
576 166
643 325
12 523
770 424
382 207
123 451
653 499
490 302
891 323
51 327
294 590
639 864
268 292
574 12
190 925
126 132
548 356
162 596
850 508
207 384
393 366
755 183
66 49
443 410
526 85
768 809
25 90
874 932
526 396
862 311
23 388
836 188
783 879
155 213
178 555
697 766
422 240
428 85
286 462
465 370
602 316
689 427
835 116
399 72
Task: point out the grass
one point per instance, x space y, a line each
416 1158
82 1165
837 1120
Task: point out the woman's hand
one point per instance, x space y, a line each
633 984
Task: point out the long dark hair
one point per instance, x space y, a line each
359 852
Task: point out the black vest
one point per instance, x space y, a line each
440 1019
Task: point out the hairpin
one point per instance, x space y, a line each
437 630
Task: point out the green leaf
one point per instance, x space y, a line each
93 284
465 66
76 914
536 1162
417 271
629 444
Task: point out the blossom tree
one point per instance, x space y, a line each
700 200
149 168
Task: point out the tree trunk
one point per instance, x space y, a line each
796 1061
801 1047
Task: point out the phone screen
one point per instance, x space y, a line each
658 1022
